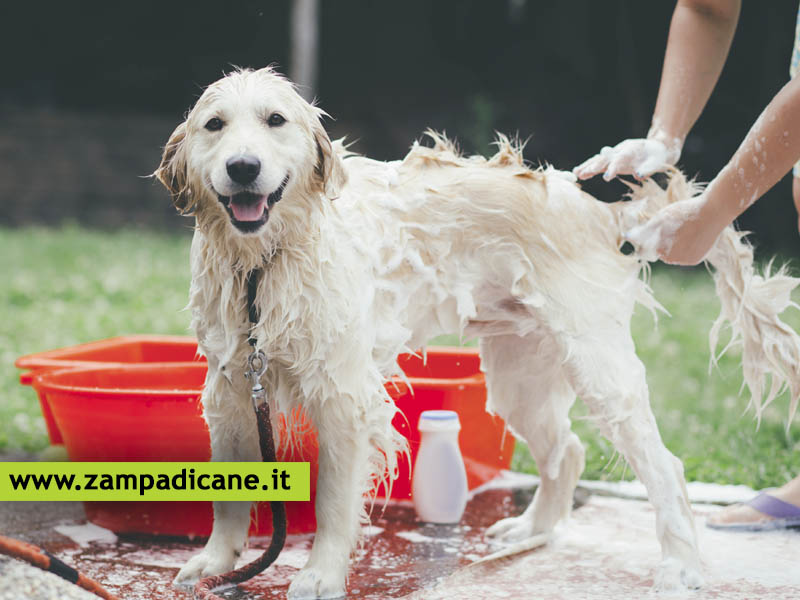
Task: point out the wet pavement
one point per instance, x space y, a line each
607 549
399 555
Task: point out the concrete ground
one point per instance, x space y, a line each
607 549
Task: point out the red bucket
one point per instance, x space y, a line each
450 379
114 351
150 412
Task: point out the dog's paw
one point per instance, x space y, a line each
208 562
672 575
512 530
312 583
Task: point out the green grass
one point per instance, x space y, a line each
67 286
71 285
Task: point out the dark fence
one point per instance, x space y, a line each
91 91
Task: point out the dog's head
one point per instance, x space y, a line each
249 142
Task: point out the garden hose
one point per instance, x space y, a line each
39 557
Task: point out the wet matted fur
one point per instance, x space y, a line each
363 260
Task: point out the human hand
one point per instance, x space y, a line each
640 157
679 234
796 196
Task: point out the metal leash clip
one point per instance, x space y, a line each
256 367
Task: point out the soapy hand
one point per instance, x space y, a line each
640 157
680 234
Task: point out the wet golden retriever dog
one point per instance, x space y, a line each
363 260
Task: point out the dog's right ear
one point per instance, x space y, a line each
172 170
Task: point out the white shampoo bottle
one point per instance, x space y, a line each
439 484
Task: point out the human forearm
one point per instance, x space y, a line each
700 36
699 39
684 232
768 152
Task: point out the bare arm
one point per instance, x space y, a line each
684 232
700 36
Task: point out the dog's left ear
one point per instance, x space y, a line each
329 171
172 170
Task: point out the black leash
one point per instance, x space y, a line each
253 277
256 366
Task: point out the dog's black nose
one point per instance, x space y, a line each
243 169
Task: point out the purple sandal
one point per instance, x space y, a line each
784 515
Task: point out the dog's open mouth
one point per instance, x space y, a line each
250 211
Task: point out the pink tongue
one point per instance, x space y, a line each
249 211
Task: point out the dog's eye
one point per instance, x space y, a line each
276 120
214 124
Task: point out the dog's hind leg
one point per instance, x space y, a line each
610 379
528 389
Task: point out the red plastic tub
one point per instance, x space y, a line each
119 351
151 411
450 379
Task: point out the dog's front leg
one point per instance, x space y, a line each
341 483
234 437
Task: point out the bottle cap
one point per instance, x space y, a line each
439 420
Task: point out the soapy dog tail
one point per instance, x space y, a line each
751 302
751 307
